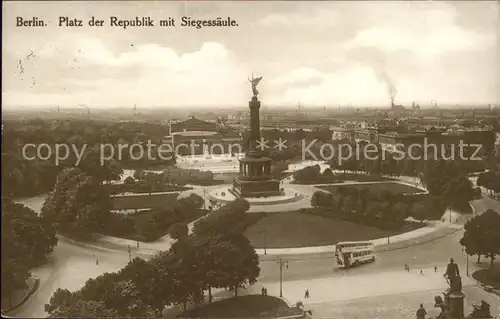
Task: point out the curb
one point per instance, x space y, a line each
35 287
485 287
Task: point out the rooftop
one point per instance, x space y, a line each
196 133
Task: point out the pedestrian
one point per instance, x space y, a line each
421 272
421 312
97 262
435 269
406 267
263 291
306 294
137 244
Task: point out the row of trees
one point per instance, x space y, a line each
482 236
372 159
313 175
384 209
212 257
448 181
78 206
23 177
26 241
151 225
175 176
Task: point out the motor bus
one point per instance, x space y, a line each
349 254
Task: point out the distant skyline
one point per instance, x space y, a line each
314 53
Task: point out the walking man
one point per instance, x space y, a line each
435 269
421 312
306 294
421 272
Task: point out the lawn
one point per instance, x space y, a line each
250 306
490 277
139 201
392 187
149 225
303 229
344 177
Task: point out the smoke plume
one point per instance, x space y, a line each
390 86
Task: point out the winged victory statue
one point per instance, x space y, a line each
255 81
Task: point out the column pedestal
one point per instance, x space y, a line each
456 305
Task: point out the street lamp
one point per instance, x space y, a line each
467 261
265 243
282 263
204 199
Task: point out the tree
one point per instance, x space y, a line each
242 262
431 207
193 201
83 308
134 291
129 180
437 173
322 199
309 173
458 191
146 227
79 205
481 235
26 241
184 276
178 231
61 298
489 180
227 219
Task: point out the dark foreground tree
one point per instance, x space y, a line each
79 205
482 235
26 241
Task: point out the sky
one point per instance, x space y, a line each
314 53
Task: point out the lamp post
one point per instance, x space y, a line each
282 263
204 198
466 261
265 243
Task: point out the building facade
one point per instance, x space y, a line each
198 137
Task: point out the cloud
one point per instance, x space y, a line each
162 76
354 84
301 77
317 53
426 44
308 17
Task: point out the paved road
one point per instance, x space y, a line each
72 265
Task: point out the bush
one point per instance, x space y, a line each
129 180
152 224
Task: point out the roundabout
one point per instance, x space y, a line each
223 195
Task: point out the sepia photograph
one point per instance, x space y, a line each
251 159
